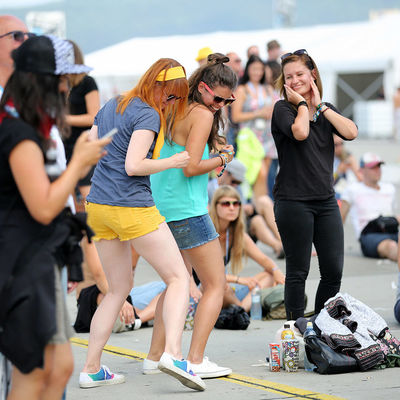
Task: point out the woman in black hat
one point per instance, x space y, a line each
34 229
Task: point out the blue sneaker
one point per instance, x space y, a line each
103 377
181 371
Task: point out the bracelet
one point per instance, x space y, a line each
320 105
302 103
275 268
326 108
225 158
222 160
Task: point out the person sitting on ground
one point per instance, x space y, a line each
366 201
345 167
139 307
260 225
226 212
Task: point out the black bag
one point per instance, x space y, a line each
382 225
234 317
327 360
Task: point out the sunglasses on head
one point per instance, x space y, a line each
18 36
219 99
173 97
295 53
228 203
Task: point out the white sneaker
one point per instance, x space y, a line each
103 377
208 369
181 370
150 367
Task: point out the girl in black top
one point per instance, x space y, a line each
305 208
34 331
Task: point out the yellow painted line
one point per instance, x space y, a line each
242 380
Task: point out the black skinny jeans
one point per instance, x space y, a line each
300 224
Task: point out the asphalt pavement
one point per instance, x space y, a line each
371 281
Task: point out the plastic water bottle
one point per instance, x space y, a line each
255 311
309 332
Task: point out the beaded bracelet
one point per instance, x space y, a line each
225 161
318 111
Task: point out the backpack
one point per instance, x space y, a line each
272 302
234 317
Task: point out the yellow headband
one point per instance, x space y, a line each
170 74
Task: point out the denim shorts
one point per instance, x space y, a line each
241 291
193 232
370 241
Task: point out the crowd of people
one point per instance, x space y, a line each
197 168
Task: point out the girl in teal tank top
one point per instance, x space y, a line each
170 185
181 196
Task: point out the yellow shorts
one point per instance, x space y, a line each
124 223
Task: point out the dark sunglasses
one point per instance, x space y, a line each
219 99
295 53
228 203
18 36
173 97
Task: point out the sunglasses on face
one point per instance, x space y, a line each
173 97
219 99
18 36
227 203
295 53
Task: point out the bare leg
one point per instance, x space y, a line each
265 207
260 185
258 228
47 383
388 249
116 260
169 264
207 260
148 312
61 369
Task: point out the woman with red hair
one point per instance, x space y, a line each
122 213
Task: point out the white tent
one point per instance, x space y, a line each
353 48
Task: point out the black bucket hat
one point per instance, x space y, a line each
47 55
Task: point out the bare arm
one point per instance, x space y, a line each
301 125
136 162
92 100
44 199
200 124
346 127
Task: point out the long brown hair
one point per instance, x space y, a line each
145 91
308 62
236 228
214 73
76 79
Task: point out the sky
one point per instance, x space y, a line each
96 24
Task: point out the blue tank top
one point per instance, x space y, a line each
176 196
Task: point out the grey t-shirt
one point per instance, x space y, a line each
110 183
